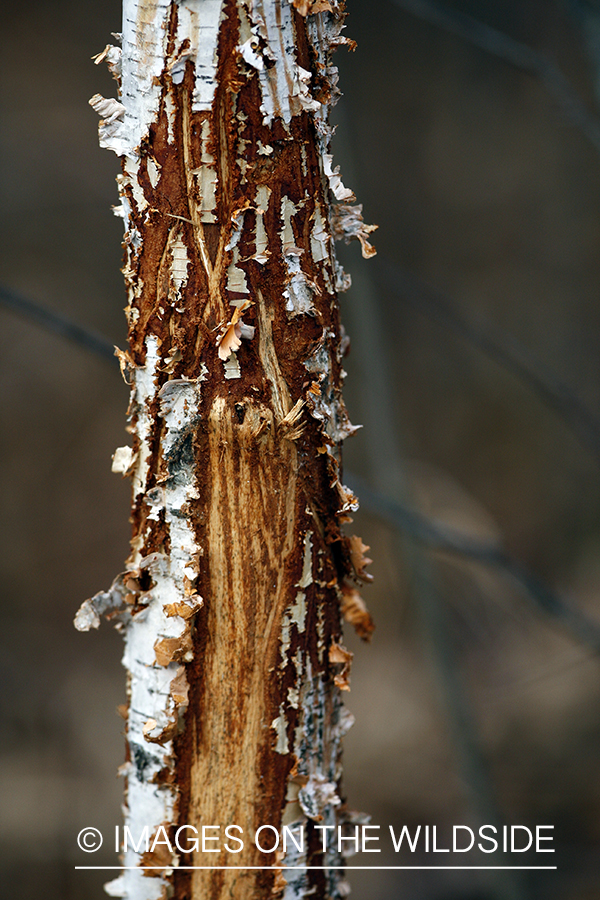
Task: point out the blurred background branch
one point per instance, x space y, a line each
498 345
513 52
57 323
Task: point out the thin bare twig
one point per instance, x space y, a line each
57 323
514 52
500 346
437 537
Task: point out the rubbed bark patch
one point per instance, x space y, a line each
232 599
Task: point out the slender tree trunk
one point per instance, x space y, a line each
231 601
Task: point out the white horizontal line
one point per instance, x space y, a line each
321 868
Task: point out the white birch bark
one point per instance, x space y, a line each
231 601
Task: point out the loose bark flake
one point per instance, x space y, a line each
231 600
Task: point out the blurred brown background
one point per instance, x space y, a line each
483 190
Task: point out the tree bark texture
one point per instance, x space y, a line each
232 598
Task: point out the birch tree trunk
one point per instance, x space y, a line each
232 596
